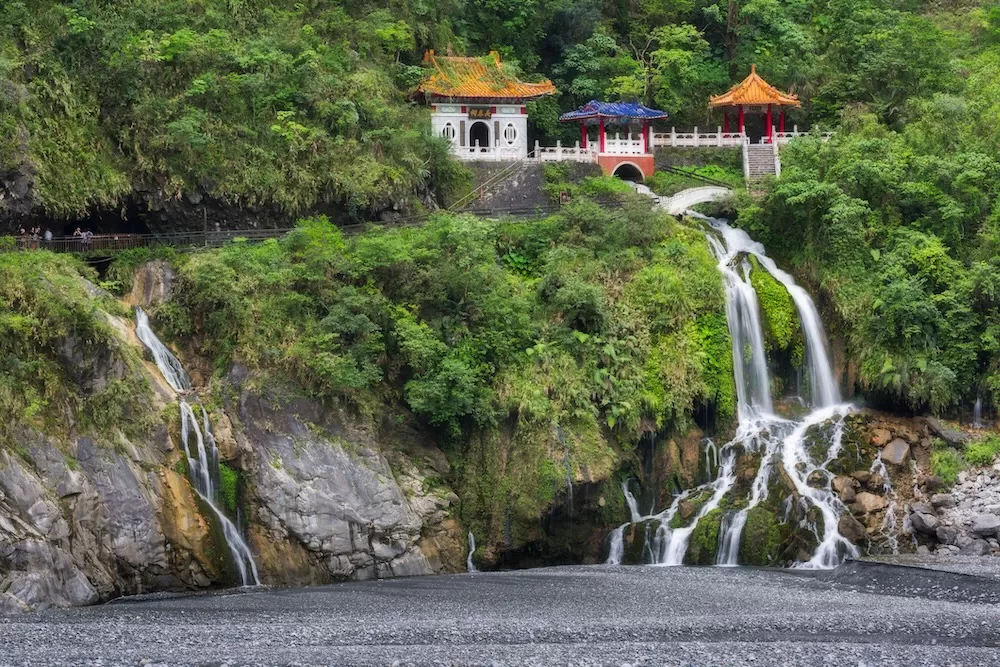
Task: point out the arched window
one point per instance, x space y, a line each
510 134
448 132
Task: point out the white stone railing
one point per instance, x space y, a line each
696 139
487 153
630 145
560 153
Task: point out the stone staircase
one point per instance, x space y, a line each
760 160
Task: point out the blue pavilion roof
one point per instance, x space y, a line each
593 110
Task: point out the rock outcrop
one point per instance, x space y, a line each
328 495
322 481
152 285
86 521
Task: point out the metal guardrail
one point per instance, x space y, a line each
110 243
101 245
495 180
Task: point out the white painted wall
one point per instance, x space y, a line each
513 124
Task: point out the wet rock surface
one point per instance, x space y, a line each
860 614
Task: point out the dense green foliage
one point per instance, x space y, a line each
946 464
61 365
229 481
256 103
983 452
896 218
458 318
782 329
299 106
534 347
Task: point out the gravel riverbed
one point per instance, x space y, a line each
861 614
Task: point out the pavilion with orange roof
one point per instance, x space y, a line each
754 94
479 105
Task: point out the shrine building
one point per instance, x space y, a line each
754 95
478 105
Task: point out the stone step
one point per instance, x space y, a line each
760 161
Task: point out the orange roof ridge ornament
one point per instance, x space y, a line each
753 90
467 78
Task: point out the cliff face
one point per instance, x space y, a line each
339 499
86 521
85 518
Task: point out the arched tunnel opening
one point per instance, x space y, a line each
629 172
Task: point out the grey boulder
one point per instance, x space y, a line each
986 525
896 452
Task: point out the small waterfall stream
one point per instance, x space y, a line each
778 441
616 545
201 451
469 565
170 367
890 523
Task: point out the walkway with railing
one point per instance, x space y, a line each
104 244
720 139
628 144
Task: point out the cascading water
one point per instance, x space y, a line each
779 442
823 388
616 545
170 367
977 413
633 504
201 451
890 523
469 565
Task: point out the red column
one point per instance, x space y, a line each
781 120
743 126
725 122
583 134
602 134
645 136
770 120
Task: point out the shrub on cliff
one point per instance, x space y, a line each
608 320
61 365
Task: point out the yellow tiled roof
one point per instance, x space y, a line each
753 90
463 77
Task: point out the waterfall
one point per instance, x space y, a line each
711 455
616 545
823 388
469 565
633 505
779 442
677 539
170 367
799 466
890 523
753 391
201 451
977 413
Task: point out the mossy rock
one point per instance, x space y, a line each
762 537
782 330
635 539
704 542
